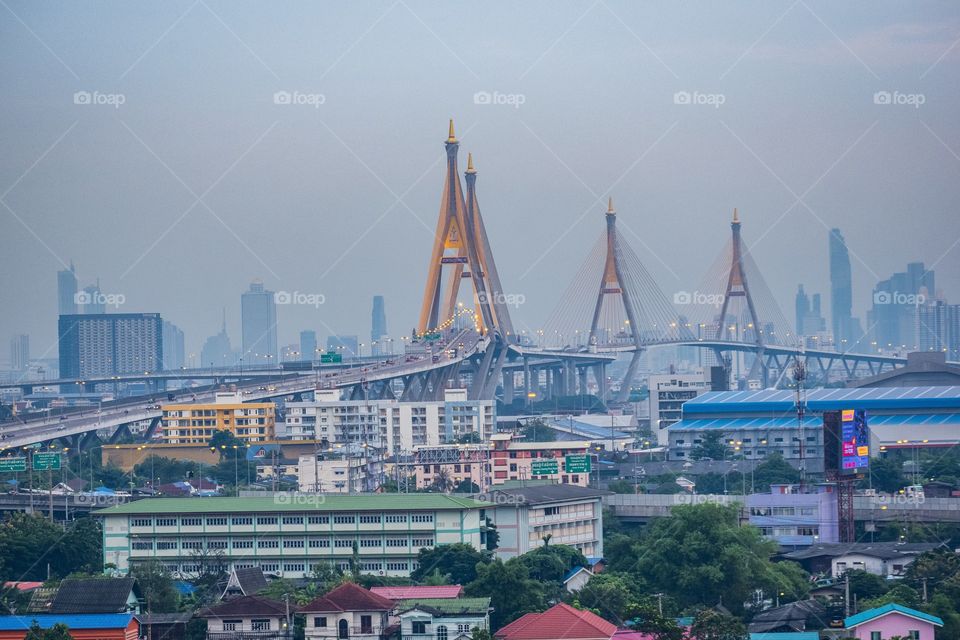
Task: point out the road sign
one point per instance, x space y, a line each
330 358
46 461
577 463
544 467
10 465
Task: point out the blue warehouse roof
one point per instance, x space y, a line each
773 401
947 420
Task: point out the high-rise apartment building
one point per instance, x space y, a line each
259 325
110 344
67 291
173 347
308 345
19 352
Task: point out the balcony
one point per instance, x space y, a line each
249 635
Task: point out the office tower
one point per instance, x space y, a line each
347 346
290 353
93 300
173 349
67 291
378 329
110 344
258 316
893 314
20 352
801 307
810 322
841 292
217 351
938 328
308 345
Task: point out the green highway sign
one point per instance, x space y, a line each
577 463
10 465
432 337
46 461
544 467
330 358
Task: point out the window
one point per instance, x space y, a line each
318 519
166 544
343 518
243 544
232 625
141 522
397 566
551 511
366 624
421 517
260 624
191 522
268 543
394 518
266 519
293 544
141 545
320 622
463 628
316 543
422 542
166 522
442 632
419 627
396 542
294 567
369 542
370 518
242 520
343 543
914 634
216 522
874 635
192 544
292 519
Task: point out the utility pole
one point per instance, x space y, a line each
846 595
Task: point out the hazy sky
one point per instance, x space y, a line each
198 182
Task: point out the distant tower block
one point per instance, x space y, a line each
737 287
462 249
613 283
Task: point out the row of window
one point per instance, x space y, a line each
285 543
340 518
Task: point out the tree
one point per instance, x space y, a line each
30 542
899 594
865 586
82 546
511 591
536 430
159 595
886 474
609 595
227 444
466 486
710 624
59 631
622 486
773 470
442 481
651 621
711 446
459 561
550 563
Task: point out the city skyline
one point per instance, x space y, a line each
375 183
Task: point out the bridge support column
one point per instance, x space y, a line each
508 387
624 394
526 382
582 376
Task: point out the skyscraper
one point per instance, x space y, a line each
379 319
258 316
308 345
109 344
93 300
809 320
893 315
841 292
67 291
217 351
19 352
173 349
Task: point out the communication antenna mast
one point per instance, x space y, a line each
799 375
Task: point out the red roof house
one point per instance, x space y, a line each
559 622
419 592
349 611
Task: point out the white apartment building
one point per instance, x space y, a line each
338 471
668 392
390 425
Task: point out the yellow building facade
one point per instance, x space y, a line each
196 423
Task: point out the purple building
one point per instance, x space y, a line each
796 516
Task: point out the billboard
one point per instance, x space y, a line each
854 441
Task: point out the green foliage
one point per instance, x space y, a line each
457 561
899 594
711 446
551 562
512 593
156 585
536 430
886 474
227 444
649 620
612 596
622 486
773 470
713 625
30 542
865 586
58 631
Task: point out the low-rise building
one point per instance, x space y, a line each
668 392
349 469
559 622
248 617
892 621
348 611
83 626
290 535
887 559
443 618
419 591
196 423
563 514
795 515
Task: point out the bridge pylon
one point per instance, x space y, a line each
462 250
613 283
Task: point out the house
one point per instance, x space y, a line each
795 635
892 620
803 615
238 617
559 622
443 618
97 595
164 626
244 582
888 559
349 611
576 578
84 626
415 592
